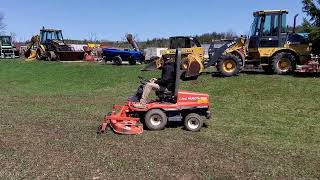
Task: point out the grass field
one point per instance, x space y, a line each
264 126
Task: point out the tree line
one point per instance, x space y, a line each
206 38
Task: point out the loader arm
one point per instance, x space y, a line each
215 54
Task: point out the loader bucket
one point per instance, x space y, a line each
70 55
31 54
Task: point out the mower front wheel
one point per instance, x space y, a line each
156 120
193 122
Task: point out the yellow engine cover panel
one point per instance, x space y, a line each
192 59
300 49
267 52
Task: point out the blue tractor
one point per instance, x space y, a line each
117 56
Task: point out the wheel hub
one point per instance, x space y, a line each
156 120
229 66
193 123
284 64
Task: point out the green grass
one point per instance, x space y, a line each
263 126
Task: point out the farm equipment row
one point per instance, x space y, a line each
270 47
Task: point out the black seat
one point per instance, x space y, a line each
165 95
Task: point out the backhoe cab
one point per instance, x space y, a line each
270 45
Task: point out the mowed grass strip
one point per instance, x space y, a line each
263 126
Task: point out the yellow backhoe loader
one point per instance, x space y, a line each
49 45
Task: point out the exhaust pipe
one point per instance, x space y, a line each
295 23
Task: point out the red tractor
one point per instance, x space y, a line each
178 106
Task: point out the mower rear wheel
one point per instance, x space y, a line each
193 122
156 120
117 61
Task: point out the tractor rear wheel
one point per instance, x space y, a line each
132 61
117 61
229 65
193 122
156 120
267 69
283 63
51 56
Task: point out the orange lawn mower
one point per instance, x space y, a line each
192 108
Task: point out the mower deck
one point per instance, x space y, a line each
121 122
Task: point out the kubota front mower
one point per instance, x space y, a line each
190 107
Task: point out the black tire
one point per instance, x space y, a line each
132 61
233 70
193 122
51 56
267 69
156 120
283 63
242 62
117 61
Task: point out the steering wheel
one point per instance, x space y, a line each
143 80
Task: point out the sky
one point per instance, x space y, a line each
112 19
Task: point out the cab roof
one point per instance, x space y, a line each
270 12
49 30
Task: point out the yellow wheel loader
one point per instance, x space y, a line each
193 61
50 45
270 45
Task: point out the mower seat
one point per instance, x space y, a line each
165 95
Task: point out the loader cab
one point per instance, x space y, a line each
268 30
183 42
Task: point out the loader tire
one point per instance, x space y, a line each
283 63
117 61
156 120
229 65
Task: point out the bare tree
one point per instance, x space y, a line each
13 36
2 25
93 37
